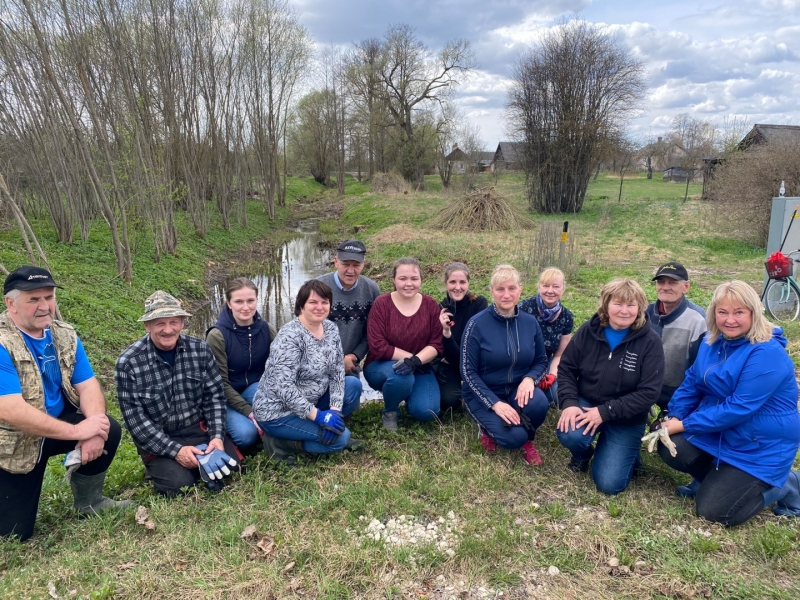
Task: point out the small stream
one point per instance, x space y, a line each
294 263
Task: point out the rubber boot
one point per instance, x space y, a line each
87 491
786 498
280 450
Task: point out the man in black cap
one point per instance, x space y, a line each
353 295
680 323
45 379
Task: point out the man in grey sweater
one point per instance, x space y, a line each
353 295
680 323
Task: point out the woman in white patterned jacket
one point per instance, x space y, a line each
302 398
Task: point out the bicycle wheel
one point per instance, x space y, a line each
782 300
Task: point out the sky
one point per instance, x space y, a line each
709 59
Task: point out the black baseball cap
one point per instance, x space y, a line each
673 270
351 250
28 278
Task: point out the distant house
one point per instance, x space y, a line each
458 158
679 174
759 135
508 156
484 161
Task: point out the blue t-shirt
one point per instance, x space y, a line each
614 336
44 351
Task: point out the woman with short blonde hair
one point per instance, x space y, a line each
734 419
556 323
609 376
502 361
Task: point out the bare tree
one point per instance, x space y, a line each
574 88
415 78
695 139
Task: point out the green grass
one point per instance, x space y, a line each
513 521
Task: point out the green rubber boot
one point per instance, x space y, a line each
87 491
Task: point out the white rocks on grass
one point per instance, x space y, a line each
408 530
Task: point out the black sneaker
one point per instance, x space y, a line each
581 466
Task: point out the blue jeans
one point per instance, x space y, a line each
615 456
419 390
506 436
240 428
292 427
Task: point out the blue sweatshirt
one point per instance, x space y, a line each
497 352
739 404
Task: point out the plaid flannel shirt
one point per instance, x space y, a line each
156 399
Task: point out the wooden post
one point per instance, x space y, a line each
564 235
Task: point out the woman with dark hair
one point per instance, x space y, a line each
556 323
240 341
609 376
458 307
303 396
404 335
503 359
734 421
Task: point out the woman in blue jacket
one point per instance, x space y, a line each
502 361
240 341
734 420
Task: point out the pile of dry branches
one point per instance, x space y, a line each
389 183
481 210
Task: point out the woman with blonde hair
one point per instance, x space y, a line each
502 361
556 323
609 376
734 420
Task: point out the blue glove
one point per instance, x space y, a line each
406 366
214 465
331 420
327 437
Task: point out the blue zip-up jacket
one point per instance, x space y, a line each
497 352
739 404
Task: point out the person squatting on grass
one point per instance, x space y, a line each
502 360
734 419
556 323
458 307
405 335
610 375
45 380
172 400
240 341
303 396
353 297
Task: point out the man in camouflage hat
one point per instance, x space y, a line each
172 400
50 404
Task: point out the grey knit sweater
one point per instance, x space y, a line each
350 310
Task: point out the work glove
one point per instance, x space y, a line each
252 418
327 437
660 434
546 382
406 366
330 420
214 466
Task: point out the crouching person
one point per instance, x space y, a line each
172 400
303 396
50 404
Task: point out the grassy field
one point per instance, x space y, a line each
510 524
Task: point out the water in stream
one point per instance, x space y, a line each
296 261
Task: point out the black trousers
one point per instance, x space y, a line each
19 493
727 495
449 378
167 474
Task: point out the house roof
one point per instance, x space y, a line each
484 156
508 151
761 133
457 154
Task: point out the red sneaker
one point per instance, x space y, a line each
531 455
488 443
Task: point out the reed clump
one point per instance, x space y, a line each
481 210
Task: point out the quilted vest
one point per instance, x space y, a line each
19 452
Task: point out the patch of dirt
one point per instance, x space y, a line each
398 234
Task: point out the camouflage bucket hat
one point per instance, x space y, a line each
160 305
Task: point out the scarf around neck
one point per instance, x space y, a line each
548 314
